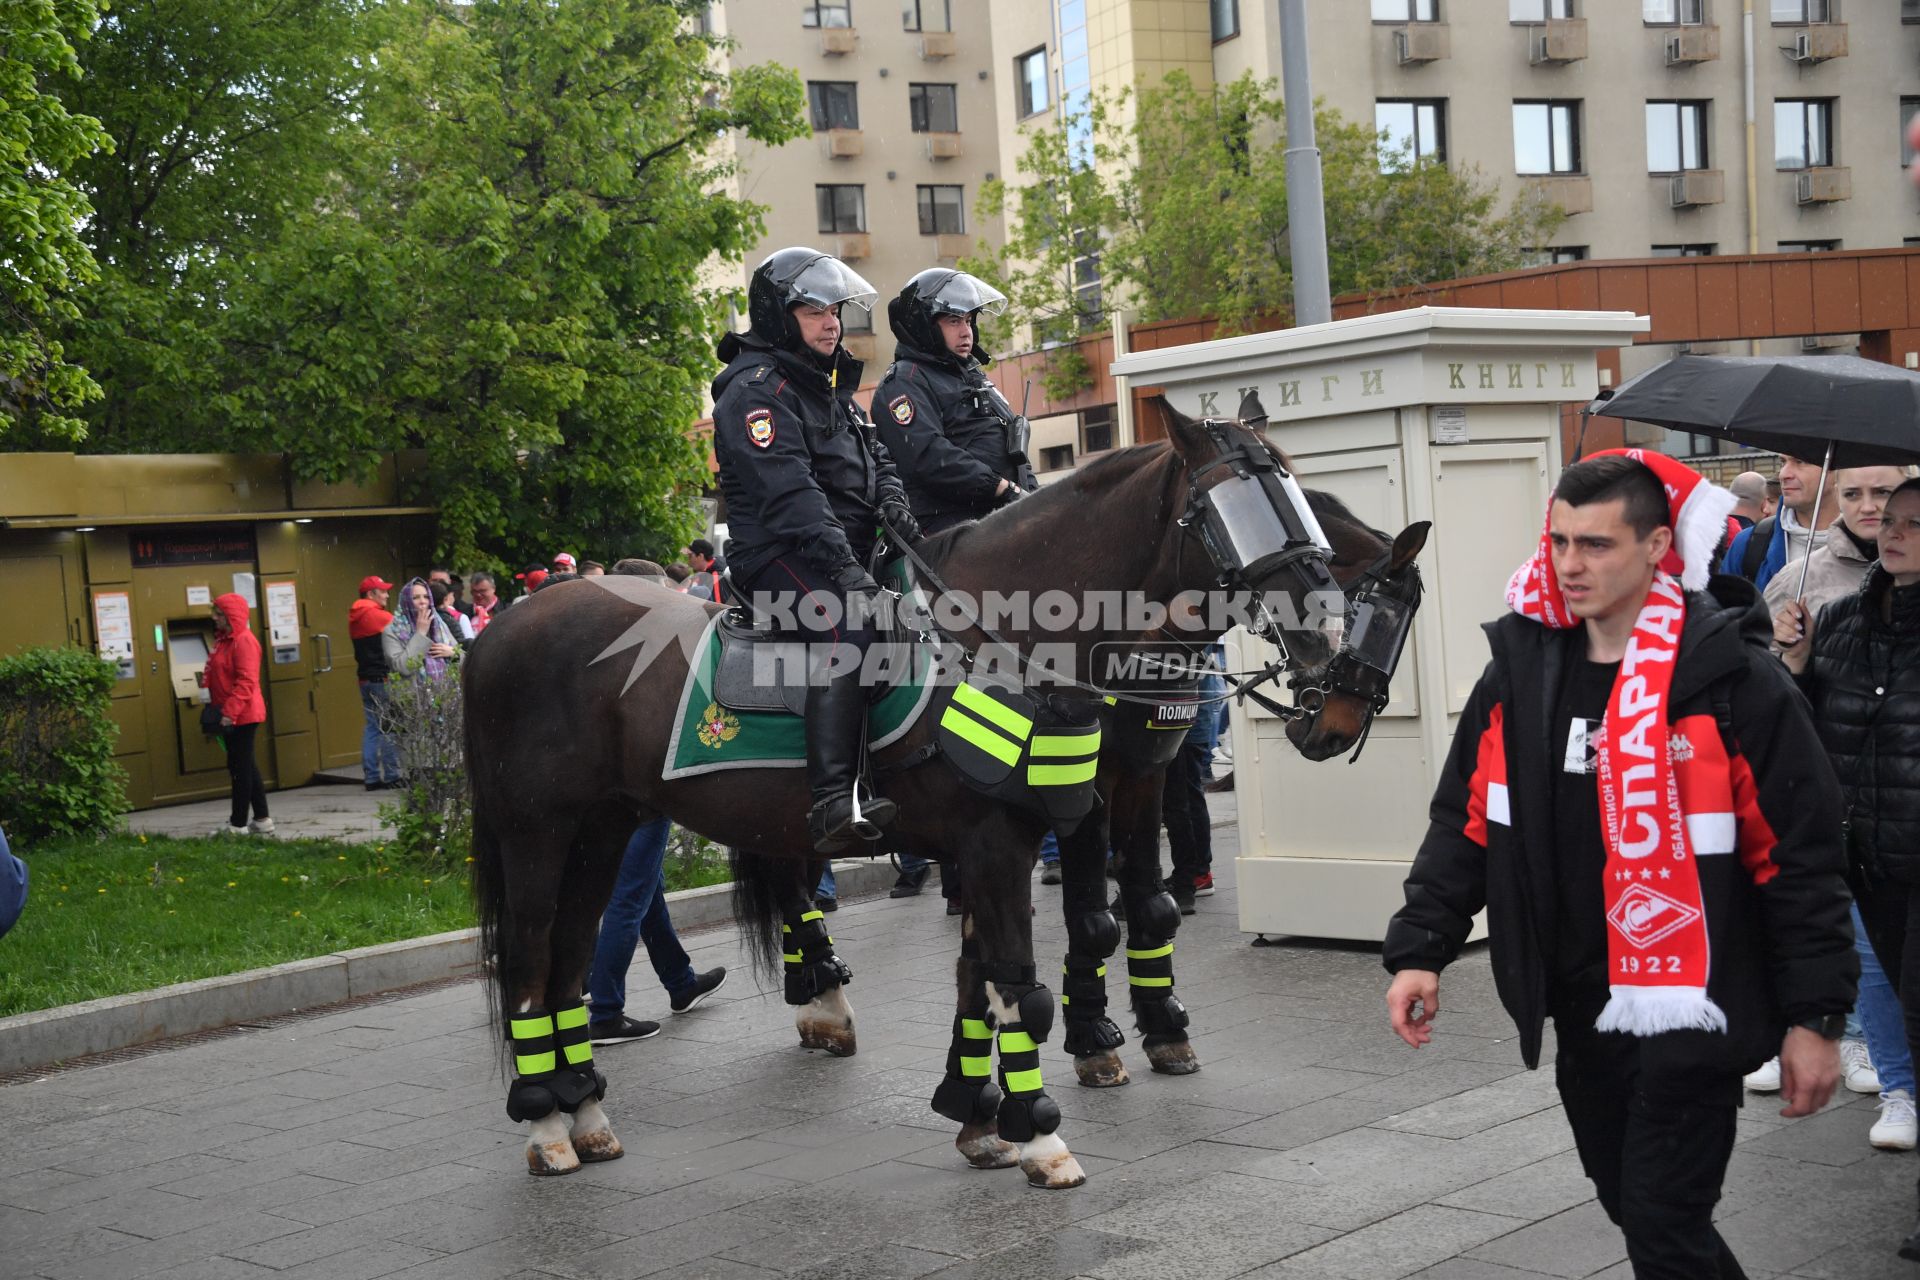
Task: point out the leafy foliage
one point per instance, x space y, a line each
433 823
43 260
1185 201
57 773
340 228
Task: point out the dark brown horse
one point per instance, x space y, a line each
571 698
1137 751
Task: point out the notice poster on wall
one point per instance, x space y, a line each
113 626
283 622
199 596
243 586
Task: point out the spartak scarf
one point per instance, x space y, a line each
1657 950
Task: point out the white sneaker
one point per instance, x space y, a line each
1895 1130
1766 1079
1857 1068
225 830
264 827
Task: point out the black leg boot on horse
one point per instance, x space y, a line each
967 1094
1152 919
814 975
836 722
1093 934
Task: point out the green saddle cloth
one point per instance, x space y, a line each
708 737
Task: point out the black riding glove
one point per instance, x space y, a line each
1008 496
854 580
899 517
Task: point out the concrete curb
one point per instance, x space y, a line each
47 1036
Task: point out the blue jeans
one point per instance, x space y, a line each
638 913
827 888
379 758
1050 849
1880 1017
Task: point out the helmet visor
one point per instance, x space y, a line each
961 295
828 282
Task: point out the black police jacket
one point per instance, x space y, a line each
1777 922
1864 681
800 467
946 427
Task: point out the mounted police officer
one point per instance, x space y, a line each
807 483
960 447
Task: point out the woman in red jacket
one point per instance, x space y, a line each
233 686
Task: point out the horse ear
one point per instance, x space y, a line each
1409 544
1183 432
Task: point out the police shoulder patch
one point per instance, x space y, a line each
901 407
760 427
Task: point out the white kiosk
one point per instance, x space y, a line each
1443 414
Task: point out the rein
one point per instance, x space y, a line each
1240 688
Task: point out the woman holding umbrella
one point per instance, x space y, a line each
1859 663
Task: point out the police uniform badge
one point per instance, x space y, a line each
901 407
760 427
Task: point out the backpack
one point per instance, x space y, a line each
1759 541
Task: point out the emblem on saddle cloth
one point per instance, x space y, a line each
718 726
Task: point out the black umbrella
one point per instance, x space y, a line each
1866 412
1846 411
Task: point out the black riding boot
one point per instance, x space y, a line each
835 717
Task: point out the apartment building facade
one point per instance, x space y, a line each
901 96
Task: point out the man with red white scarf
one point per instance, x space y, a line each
1638 799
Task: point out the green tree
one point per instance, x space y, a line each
476 230
43 260
1189 188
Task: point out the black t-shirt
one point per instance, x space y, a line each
1579 946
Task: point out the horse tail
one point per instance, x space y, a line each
489 881
762 887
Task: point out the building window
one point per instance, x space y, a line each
1676 136
1555 254
1685 250
1056 457
1534 11
1909 107
933 108
1410 131
926 15
1807 246
1546 137
827 13
1801 12
1673 13
1226 19
842 207
835 104
1802 133
1086 282
1910 10
1030 82
1096 429
855 320
941 211
1406 10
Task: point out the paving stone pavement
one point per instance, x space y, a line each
322 812
371 1141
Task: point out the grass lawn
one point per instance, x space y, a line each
129 913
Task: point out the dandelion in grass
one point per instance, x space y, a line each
233 884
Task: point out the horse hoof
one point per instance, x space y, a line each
1101 1070
1175 1059
837 1041
550 1159
1048 1164
598 1146
986 1149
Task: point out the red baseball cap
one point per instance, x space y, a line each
374 582
565 559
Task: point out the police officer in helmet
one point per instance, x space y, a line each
807 483
959 446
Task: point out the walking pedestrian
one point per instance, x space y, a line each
232 676
637 913
1859 664
1637 797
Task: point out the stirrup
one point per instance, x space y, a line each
862 821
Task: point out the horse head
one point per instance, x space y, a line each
1336 596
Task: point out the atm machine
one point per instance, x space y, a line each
189 642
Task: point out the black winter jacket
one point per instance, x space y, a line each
1780 939
800 466
945 426
1864 680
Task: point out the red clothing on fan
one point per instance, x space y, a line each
233 668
